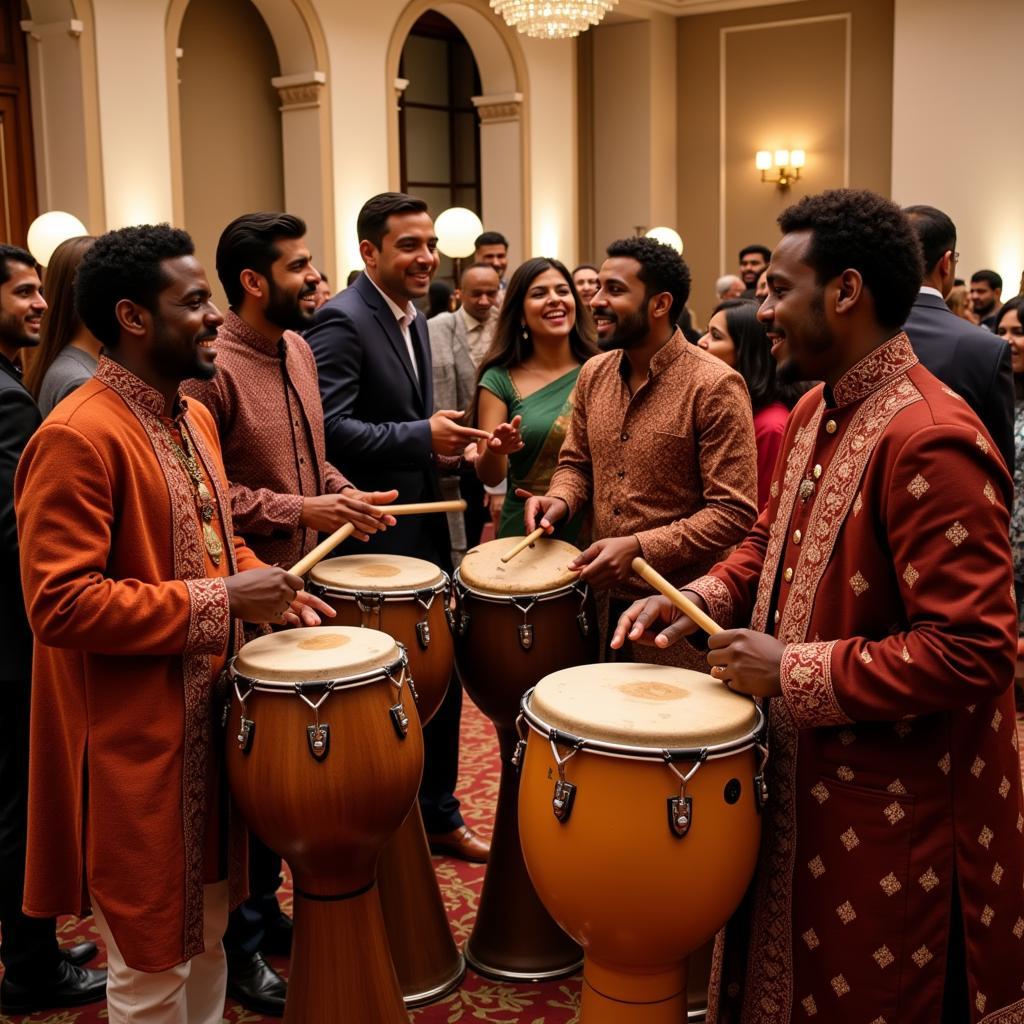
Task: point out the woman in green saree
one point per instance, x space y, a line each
544 334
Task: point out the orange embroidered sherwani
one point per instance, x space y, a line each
132 629
893 765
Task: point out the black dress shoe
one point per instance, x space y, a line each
79 954
277 939
73 986
257 986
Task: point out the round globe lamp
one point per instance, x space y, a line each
48 231
667 236
457 231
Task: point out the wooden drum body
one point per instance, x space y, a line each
639 814
514 624
407 598
324 759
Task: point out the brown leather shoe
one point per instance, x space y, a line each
462 843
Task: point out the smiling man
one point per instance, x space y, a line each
135 584
376 381
878 591
661 440
265 400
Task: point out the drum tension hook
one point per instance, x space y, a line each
399 716
581 616
370 604
680 808
318 734
520 750
761 778
246 726
424 598
458 618
524 604
565 791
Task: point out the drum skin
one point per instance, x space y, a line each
638 899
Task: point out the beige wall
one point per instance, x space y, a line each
957 140
816 76
230 125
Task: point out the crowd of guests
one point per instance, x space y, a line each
583 401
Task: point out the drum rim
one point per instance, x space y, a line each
386 671
580 587
606 748
351 594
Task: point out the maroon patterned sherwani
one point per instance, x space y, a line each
265 399
882 562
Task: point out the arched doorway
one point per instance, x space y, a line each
500 112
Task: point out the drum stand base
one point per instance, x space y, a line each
657 998
341 967
521 977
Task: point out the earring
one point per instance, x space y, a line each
526 332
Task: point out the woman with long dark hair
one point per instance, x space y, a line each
527 381
68 353
738 338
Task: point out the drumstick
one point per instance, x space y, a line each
325 547
525 543
681 601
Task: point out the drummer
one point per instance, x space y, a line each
878 586
265 401
661 440
133 588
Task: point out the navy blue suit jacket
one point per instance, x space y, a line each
971 361
377 410
19 418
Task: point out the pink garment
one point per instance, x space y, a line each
769 426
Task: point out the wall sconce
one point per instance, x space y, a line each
787 164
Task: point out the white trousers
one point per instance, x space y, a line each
191 993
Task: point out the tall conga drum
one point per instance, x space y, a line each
324 759
407 598
639 814
516 622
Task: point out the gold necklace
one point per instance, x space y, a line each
204 500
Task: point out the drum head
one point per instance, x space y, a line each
643 705
533 571
316 653
361 573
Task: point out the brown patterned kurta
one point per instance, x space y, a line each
132 623
674 464
883 563
265 400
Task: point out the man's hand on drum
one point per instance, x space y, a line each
273 595
655 621
327 512
506 438
607 562
747 661
540 510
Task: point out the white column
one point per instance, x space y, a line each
501 168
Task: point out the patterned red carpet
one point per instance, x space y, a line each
478 1000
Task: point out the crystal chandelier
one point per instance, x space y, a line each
552 19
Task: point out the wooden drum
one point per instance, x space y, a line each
324 759
639 813
514 624
407 598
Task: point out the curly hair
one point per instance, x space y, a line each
859 230
662 269
125 264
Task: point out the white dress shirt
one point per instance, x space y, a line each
405 318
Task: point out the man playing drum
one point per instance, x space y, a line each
265 401
134 582
661 440
878 587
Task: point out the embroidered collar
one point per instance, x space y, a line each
665 356
134 391
235 327
878 368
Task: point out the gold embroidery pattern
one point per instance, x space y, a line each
809 1005
997 873
986 836
1018 928
806 677
957 534
928 880
990 492
816 867
774 489
865 656
987 914
883 957
1004 787
716 596
911 575
921 956
918 486
845 773
811 938
840 986
890 884
846 913
892 359
982 444
848 736
944 764
858 583
997 720
849 839
979 1001
858 504
897 788
894 813
820 792
977 767
1007 1015
905 655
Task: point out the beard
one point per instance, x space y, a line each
819 339
284 310
14 333
630 332
176 361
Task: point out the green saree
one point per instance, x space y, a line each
546 415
